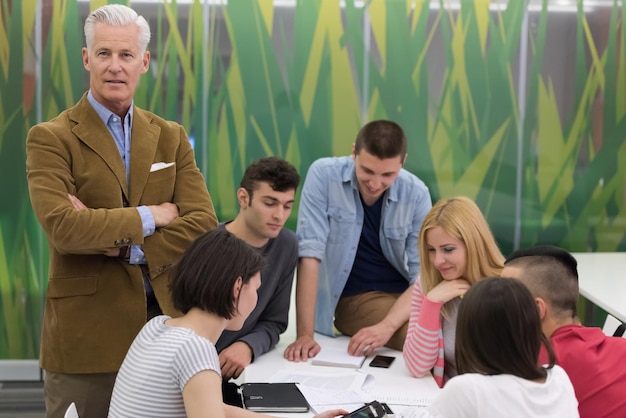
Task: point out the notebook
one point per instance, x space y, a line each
337 357
231 394
273 397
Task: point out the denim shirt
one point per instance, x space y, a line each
330 220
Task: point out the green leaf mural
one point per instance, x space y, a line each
489 111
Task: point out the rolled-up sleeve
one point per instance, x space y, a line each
313 226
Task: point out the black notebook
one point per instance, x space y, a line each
273 397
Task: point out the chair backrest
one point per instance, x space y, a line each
613 327
71 411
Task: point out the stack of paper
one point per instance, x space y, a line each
351 389
337 357
342 389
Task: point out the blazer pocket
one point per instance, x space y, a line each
71 286
163 174
160 186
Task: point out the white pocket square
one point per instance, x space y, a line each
160 166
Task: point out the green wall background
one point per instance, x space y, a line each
520 105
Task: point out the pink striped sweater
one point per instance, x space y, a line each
423 347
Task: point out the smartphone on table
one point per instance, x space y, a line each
382 361
370 410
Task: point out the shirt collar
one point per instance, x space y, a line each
104 113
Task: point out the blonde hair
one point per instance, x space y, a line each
461 218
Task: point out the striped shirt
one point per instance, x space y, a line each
424 345
157 367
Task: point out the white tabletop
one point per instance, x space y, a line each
602 280
394 380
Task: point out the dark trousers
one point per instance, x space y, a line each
90 392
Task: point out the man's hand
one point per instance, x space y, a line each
448 290
164 213
302 349
369 338
235 358
78 205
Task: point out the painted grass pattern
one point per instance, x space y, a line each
248 79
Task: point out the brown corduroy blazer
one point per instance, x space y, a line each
95 305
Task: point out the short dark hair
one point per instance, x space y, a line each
561 255
383 139
498 331
206 274
550 273
280 175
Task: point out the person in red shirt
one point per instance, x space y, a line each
594 362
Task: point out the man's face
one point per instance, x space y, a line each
374 176
115 62
266 212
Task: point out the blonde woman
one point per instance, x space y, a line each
457 249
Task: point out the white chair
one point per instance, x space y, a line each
613 327
71 411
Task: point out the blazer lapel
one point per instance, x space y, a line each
143 145
92 132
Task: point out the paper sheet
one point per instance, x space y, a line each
353 388
323 391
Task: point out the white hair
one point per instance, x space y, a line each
117 15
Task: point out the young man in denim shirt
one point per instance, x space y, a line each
358 223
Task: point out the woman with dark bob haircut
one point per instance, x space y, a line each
172 369
498 339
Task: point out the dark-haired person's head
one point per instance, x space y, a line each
383 139
550 273
212 273
266 196
378 153
275 171
498 331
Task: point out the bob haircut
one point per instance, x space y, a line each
205 276
461 218
383 139
117 15
550 273
278 173
498 331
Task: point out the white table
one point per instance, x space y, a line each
396 378
602 280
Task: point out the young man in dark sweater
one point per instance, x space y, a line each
266 196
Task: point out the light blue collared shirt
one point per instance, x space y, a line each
120 130
330 220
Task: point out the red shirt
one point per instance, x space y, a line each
596 365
